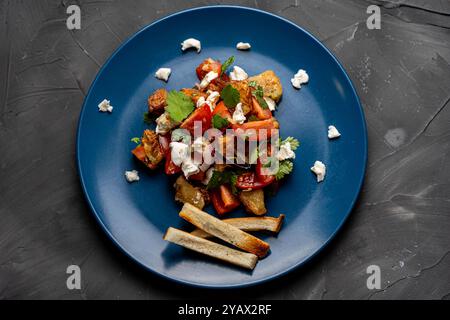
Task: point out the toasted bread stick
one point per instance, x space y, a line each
212 249
224 231
248 224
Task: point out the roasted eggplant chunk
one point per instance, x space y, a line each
253 201
187 193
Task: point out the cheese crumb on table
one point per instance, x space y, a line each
333 132
243 46
320 170
105 106
163 74
191 43
132 176
301 77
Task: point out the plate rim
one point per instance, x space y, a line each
250 283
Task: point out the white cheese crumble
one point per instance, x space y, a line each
270 103
164 124
105 106
213 97
243 46
179 152
285 152
301 77
163 74
238 74
201 101
210 76
320 170
208 176
132 176
189 168
333 132
210 100
238 114
191 43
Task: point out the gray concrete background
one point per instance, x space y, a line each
401 221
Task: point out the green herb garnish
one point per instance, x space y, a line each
285 168
179 105
223 177
136 140
230 96
227 64
252 118
219 122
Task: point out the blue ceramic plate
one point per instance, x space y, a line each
135 216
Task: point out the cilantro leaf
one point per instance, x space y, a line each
230 96
219 122
227 64
294 142
179 105
284 169
136 140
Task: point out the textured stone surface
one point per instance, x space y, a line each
401 221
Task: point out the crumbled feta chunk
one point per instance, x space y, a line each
243 46
163 74
210 76
208 176
238 74
105 106
191 43
320 170
238 114
213 96
301 77
164 124
285 152
201 101
210 100
270 103
333 132
189 168
179 152
132 176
